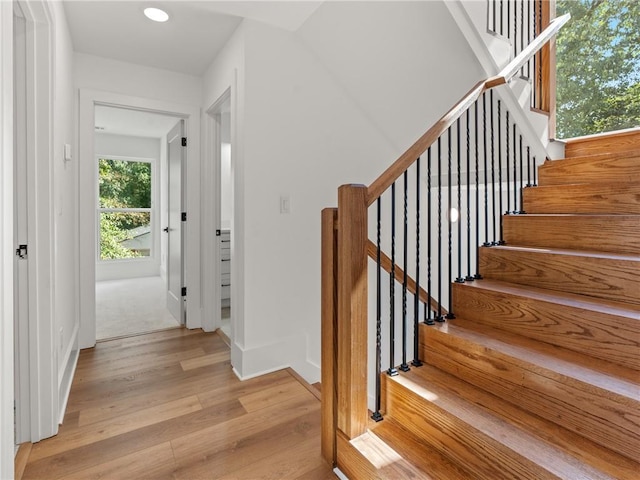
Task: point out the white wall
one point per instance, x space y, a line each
6 241
65 181
334 103
106 144
128 79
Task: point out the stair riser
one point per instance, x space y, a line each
601 416
583 199
616 142
617 234
606 337
593 170
457 439
608 278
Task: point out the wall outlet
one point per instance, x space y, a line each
285 204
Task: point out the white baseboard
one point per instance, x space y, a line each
339 474
288 353
66 374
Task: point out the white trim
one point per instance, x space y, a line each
87 245
65 377
211 201
340 474
6 241
42 371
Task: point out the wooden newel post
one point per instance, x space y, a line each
352 310
329 294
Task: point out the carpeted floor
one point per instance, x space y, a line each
131 306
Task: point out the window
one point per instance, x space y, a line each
124 208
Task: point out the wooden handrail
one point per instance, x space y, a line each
391 174
385 264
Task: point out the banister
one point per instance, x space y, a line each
391 174
385 264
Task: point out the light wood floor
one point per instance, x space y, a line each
167 405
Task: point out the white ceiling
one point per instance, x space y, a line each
187 43
122 121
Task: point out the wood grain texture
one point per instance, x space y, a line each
607 332
597 406
352 309
329 339
563 452
21 459
583 198
601 168
603 233
611 142
611 277
181 423
385 263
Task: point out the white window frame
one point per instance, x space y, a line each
155 238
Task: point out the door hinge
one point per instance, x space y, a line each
184 291
218 233
184 141
21 251
184 216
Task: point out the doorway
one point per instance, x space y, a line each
222 201
139 262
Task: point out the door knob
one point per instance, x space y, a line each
165 229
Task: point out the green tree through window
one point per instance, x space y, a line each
124 208
598 67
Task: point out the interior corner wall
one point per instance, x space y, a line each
337 102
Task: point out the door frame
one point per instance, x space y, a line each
7 444
88 99
38 376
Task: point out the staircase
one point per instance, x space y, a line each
537 377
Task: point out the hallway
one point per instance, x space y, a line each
167 405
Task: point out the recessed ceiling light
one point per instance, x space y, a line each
156 14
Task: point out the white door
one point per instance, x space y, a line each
176 161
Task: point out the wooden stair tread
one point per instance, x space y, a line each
412 449
600 407
611 198
607 142
609 233
602 329
614 381
557 449
608 276
609 167
563 298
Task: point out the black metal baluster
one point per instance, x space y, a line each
449 229
508 17
493 174
529 167
459 278
535 170
495 30
439 317
377 416
500 242
515 30
427 308
416 296
477 275
507 159
392 286
515 173
403 366
539 80
469 277
521 179
486 243
501 17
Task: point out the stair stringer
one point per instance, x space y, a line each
490 50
